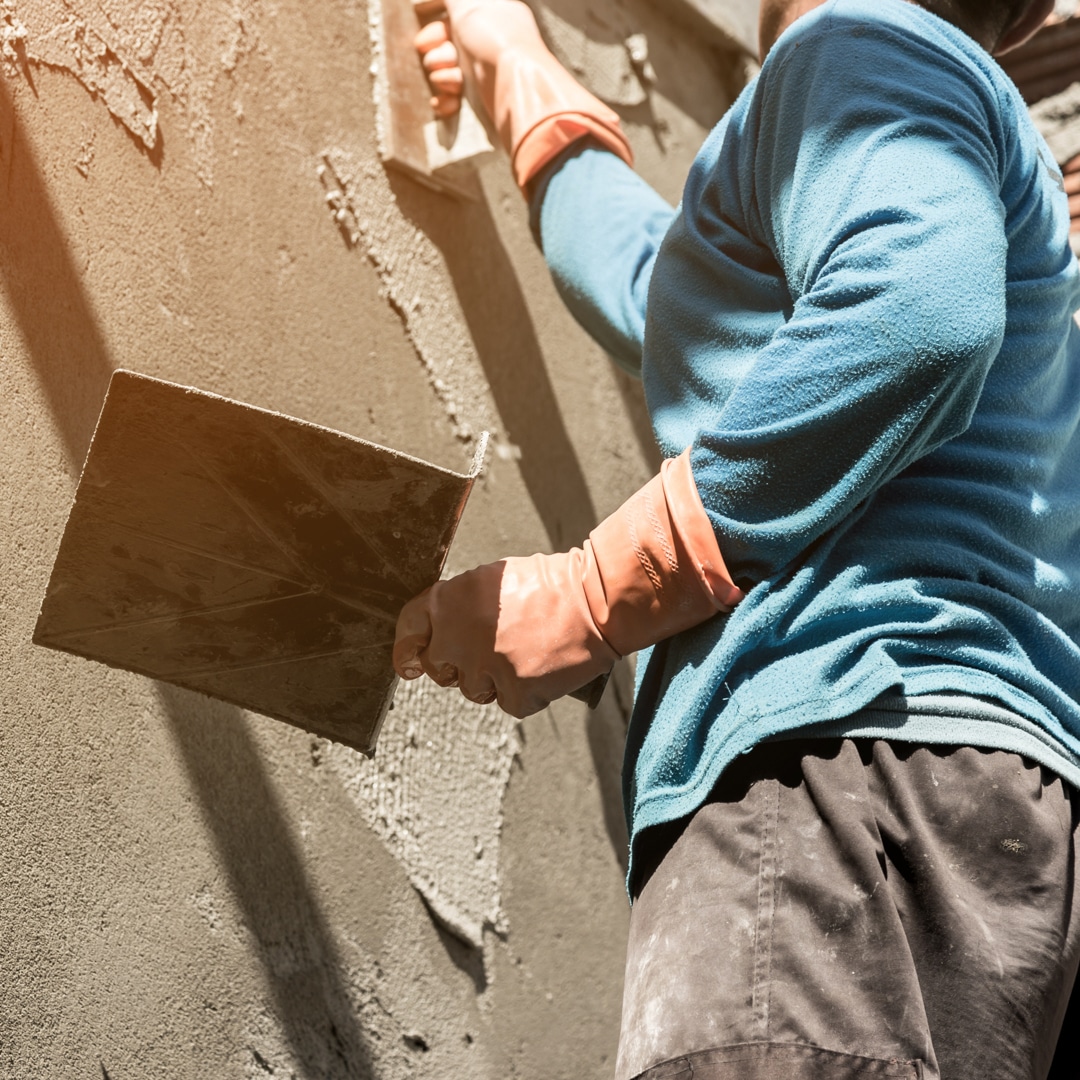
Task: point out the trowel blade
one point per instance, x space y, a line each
248 555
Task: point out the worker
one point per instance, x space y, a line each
854 586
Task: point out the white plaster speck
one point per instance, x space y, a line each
1050 577
203 903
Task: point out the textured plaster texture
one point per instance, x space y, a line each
1058 120
191 189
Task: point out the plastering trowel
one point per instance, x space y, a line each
256 558
248 555
438 152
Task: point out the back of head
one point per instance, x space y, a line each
1009 22
1001 12
998 25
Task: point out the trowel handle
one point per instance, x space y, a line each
592 692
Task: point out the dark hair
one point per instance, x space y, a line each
1002 12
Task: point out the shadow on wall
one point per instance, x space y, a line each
610 24
605 728
502 331
637 413
45 294
266 872
245 820
505 339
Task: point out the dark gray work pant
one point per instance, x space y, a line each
858 908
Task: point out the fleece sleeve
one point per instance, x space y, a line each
600 226
868 169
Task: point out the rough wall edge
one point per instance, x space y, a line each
354 181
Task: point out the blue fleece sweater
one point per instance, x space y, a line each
860 320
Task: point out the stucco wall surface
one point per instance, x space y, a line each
187 890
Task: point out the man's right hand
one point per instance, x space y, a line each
535 105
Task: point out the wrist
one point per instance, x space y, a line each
654 568
537 107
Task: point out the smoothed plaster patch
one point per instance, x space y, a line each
125 54
414 281
433 793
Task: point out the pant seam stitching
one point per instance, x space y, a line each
762 988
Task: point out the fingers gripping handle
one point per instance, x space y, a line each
414 631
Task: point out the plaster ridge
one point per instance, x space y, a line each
126 62
411 272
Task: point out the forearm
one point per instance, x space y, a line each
528 631
600 226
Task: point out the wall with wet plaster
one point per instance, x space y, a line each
193 190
